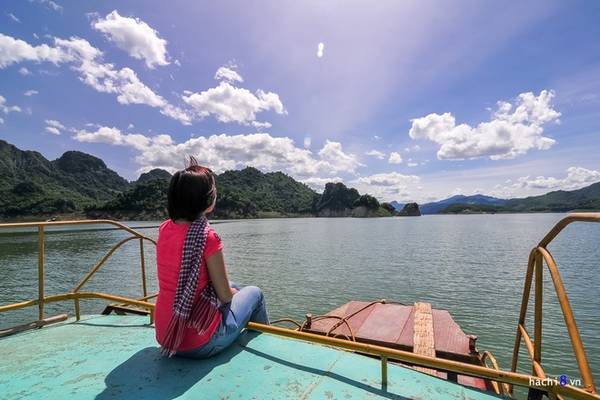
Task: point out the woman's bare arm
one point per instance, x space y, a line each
218 275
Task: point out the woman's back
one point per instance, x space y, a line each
169 248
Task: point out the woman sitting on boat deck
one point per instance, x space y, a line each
198 311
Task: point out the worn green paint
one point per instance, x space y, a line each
106 357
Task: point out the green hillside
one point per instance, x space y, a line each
32 185
251 193
585 199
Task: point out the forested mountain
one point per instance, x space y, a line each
32 185
83 186
251 193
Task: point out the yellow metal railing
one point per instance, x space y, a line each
535 269
76 294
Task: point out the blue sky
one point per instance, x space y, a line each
405 100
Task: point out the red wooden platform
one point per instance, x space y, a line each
393 325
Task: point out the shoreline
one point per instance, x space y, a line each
80 217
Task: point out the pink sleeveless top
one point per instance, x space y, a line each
169 248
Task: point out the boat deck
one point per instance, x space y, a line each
107 357
416 328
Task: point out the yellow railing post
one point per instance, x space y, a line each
384 371
41 272
537 325
143 266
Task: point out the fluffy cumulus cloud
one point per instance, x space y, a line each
15 50
513 130
228 74
228 103
334 155
375 153
388 186
576 178
86 60
223 152
30 92
395 158
135 37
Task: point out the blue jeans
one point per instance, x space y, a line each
248 304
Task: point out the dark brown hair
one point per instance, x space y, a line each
191 192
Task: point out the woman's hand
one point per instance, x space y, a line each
234 291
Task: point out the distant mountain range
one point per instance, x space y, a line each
584 199
80 185
478 199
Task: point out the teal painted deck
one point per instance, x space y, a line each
107 357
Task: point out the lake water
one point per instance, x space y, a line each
473 266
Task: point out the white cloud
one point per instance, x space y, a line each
223 152
55 127
318 184
576 178
395 158
412 164
24 71
307 142
55 123
51 4
135 37
14 17
376 154
6 109
387 186
228 74
1 120
261 125
15 50
512 131
320 49
232 104
103 77
30 92
333 154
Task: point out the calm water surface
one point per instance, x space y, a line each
473 266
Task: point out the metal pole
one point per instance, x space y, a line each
384 371
537 332
143 265
40 272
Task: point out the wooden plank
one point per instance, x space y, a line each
385 323
423 339
33 325
449 337
405 340
324 325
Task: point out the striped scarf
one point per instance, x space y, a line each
187 313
